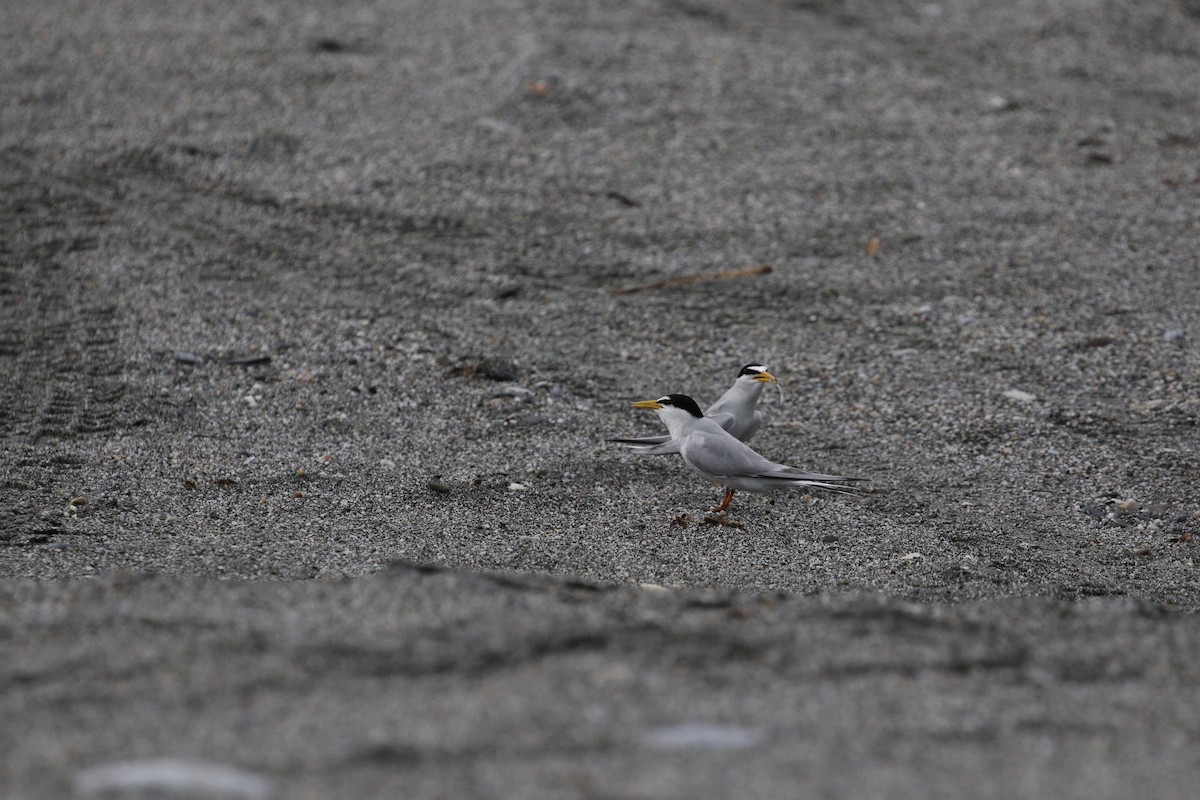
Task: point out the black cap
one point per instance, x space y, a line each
682 401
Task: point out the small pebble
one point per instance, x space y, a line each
79 501
499 126
1128 505
1140 551
830 538
438 485
911 557
497 369
517 487
327 44
515 392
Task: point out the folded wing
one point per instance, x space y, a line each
718 456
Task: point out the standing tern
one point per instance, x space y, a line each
717 455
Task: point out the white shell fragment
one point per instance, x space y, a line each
703 736
1020 396
173 776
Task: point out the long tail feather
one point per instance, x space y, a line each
642 440
649 445
839 484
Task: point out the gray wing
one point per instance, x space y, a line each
726 413
753 427
721 455
723 418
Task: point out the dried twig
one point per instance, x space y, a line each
686 279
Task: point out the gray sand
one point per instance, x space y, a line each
316 291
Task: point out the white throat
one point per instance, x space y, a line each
678 421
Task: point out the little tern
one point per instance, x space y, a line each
726 461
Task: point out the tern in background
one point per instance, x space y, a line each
736 412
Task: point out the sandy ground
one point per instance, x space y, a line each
312 332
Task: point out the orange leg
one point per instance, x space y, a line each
724 503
